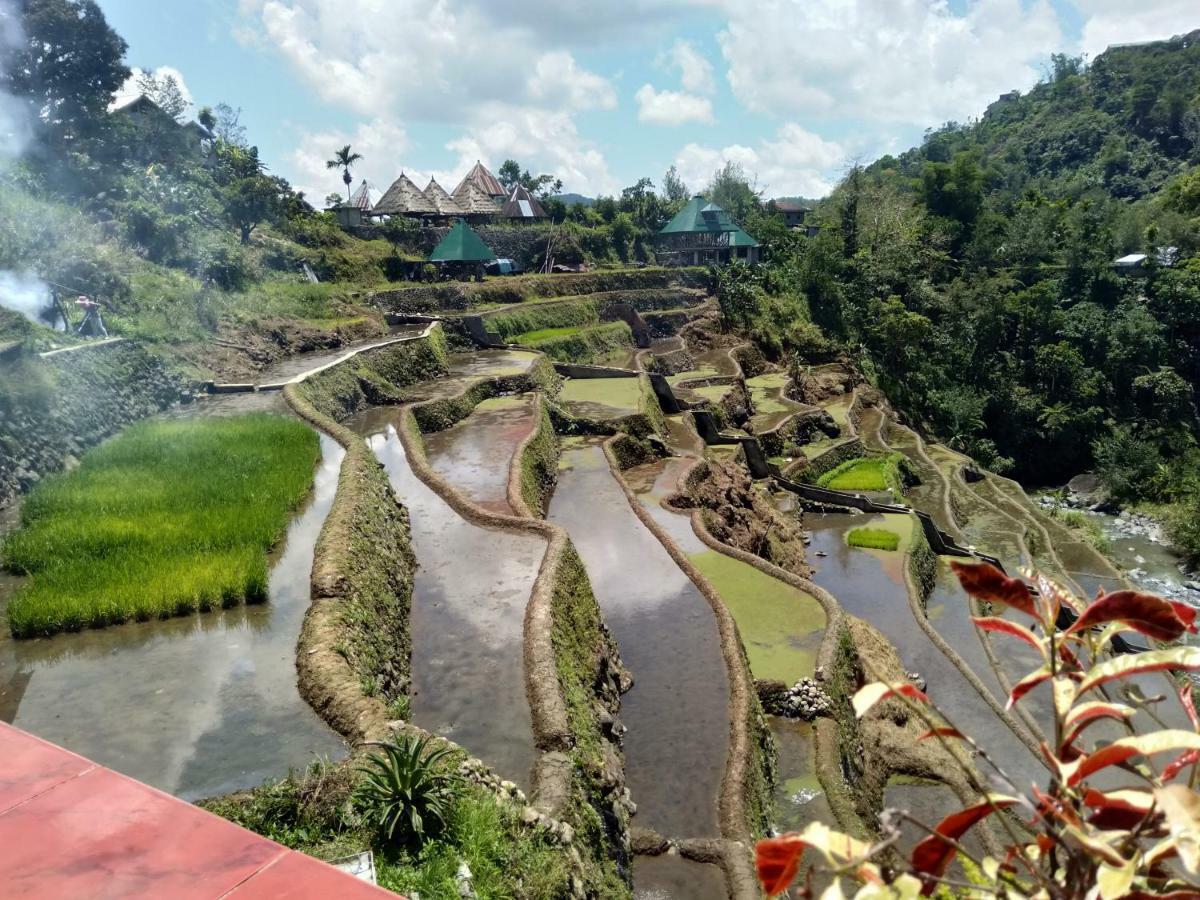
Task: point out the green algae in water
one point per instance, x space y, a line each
507 401
714 393
780 625
767 393
622 395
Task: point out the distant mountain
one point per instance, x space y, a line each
576 199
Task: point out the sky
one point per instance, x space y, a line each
601 93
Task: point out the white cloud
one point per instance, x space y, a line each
541 141
671 107
795 162
130 91
558 81
382 144
695 71
906 61
1117 22
464 63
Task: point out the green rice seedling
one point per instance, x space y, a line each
873 538
164 520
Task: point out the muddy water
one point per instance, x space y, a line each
678 710
870 584
475 454
780 626
196 706
670 877
469 596
601 398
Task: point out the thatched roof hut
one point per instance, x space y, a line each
487 183
404 198
444 203
473 201
461 245
521 204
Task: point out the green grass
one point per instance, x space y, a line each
873 538
533 338
312 811
166 519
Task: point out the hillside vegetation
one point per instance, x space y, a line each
973 277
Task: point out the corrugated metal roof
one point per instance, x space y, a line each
523 205
461 244
488 183
365 197
699 217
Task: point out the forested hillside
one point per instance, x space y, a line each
974 276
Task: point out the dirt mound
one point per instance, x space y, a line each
820 385
738 514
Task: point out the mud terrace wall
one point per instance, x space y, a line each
54 409
354 648
573 670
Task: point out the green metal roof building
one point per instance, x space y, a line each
703 233
461 244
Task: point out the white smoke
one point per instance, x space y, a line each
27 294
15 124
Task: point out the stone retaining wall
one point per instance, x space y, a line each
452 296
55 408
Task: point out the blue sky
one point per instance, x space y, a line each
602 93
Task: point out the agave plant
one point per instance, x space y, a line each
406 790
1074 840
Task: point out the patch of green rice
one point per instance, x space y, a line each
619 394
873 538
163 520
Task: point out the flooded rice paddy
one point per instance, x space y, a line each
470 591
677 712
601 398
475 455
197 706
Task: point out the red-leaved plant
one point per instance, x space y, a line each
1072 840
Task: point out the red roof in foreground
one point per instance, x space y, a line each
70 828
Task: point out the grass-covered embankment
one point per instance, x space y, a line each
164 520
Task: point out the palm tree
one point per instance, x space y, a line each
343 160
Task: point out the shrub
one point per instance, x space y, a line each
406 790
1076 838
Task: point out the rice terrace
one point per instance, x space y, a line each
382 514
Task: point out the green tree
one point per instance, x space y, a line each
344 159
67 67
673 188
731 190
250 201
166 93
510 173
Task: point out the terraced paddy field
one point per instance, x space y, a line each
678 709
601 398
475 454
772 407
469 596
